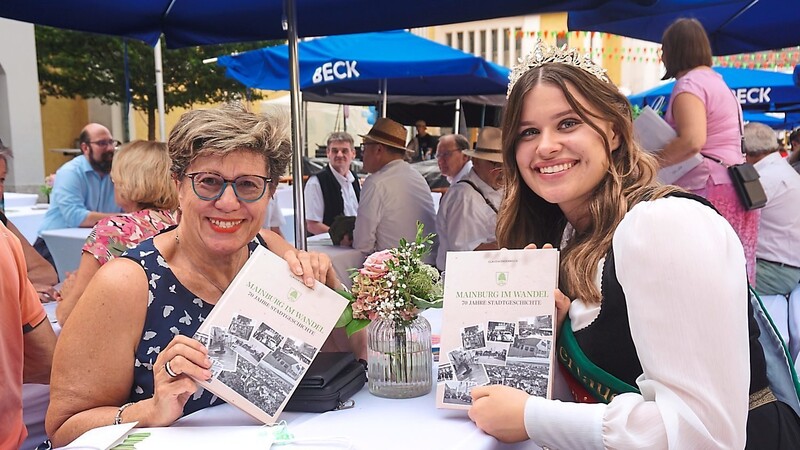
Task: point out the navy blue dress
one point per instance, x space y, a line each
171 310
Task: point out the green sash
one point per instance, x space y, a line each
598 383
603 386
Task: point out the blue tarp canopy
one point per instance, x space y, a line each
199 22
757 90
742 26
778 121
350 69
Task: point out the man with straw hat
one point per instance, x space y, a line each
395 195
468 212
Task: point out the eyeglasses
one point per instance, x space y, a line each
211 186
107 143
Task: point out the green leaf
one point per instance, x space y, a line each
355 325
345 294
421 303
345 318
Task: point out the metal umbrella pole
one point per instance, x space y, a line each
290 25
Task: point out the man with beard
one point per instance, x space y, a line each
335 190
83 192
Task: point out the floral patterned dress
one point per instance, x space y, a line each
171 310
113 235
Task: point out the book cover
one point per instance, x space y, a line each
263 333
497 324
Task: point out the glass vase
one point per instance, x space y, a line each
399 358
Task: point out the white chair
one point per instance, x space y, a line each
794 322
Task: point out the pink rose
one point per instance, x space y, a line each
375 265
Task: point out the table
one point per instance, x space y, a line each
28 219
373 423
343 258
65 245
15 200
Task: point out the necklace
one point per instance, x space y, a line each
219 288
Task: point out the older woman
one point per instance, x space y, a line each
144 189
707 119
110 361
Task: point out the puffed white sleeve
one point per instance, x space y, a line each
682 269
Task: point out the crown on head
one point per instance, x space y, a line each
543 54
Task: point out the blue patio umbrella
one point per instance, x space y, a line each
351 69
778 121
199 22
741 26
757 90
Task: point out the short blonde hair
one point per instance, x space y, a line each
141 174
231 128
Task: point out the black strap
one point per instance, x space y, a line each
481 193
741 134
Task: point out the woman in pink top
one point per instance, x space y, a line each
707 119
144 189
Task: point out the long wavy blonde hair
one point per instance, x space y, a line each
525 217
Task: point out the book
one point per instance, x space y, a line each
653 133
497 323
263 334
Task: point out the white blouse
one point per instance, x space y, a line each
682 269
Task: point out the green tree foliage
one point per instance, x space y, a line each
73 63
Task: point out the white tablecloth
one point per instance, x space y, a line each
373 423
65 245
27 219
343 258
16 200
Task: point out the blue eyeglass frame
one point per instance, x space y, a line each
225 183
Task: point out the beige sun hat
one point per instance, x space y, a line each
489 145
387 132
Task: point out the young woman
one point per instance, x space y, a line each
661 311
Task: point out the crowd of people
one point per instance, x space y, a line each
653 287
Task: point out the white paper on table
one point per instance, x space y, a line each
102 438
651 131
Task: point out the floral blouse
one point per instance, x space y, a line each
113 235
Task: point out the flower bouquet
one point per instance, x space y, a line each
47 187
388 294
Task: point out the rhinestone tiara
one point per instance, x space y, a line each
543 54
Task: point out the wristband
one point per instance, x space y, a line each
118 417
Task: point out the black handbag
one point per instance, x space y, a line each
330 381
746 181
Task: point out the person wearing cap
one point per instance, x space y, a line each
422 145
83 192
451 158
395 195
778 246
468 212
